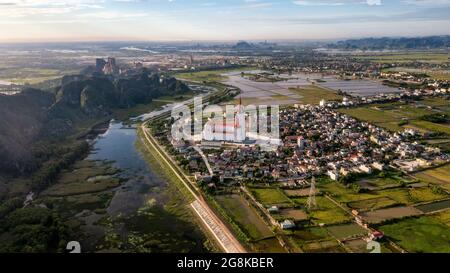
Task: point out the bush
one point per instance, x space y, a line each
435 118
36 230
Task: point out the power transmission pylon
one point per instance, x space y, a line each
312 195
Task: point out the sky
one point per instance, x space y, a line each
219 20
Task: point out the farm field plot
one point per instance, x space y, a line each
313 94
433 57
331 246
357 245
435 102
412 196
326 212
436 74
363 88
208 76
390 115
380 118
342 232
379 216
287 90
269 245
378 183
426 194
297 193
370 114
247 219
440 75
424 235
343 194
432 127
294 214
439 176
443 217
372 204
33 75
270 196
380 198
360 246
401 196
309 234
436 206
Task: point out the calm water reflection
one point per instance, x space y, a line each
118 144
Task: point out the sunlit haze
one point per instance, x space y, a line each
88 20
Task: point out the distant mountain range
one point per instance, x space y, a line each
36 116
432 42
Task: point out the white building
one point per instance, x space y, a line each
219 130
287 224
378 166
365 169
333 175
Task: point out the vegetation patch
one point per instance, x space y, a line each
382 215
270 196
313 94
248 220
424 235
372 204
82 179
326 212
436 206
269 245
208 76
439 176
294 214
342 232
330 246
443 217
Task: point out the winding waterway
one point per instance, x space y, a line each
118 144
139 206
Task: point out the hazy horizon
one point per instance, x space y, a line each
215 20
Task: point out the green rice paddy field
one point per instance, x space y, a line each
390 116
424 235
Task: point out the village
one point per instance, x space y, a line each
316 143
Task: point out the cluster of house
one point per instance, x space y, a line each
348 101
318 140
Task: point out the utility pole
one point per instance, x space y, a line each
312 195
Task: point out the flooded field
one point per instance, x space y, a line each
145 211
118 145
280 91
362 88
264 92
436 206
379 216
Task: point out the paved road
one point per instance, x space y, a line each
221 233
205 159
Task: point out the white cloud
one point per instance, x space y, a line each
24 8
112 15
336 2
427 2
315 3
374 2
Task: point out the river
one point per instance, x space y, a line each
144 206
117 144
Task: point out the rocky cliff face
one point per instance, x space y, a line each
22 117
35 115
97 95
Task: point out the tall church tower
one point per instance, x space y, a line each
239 123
